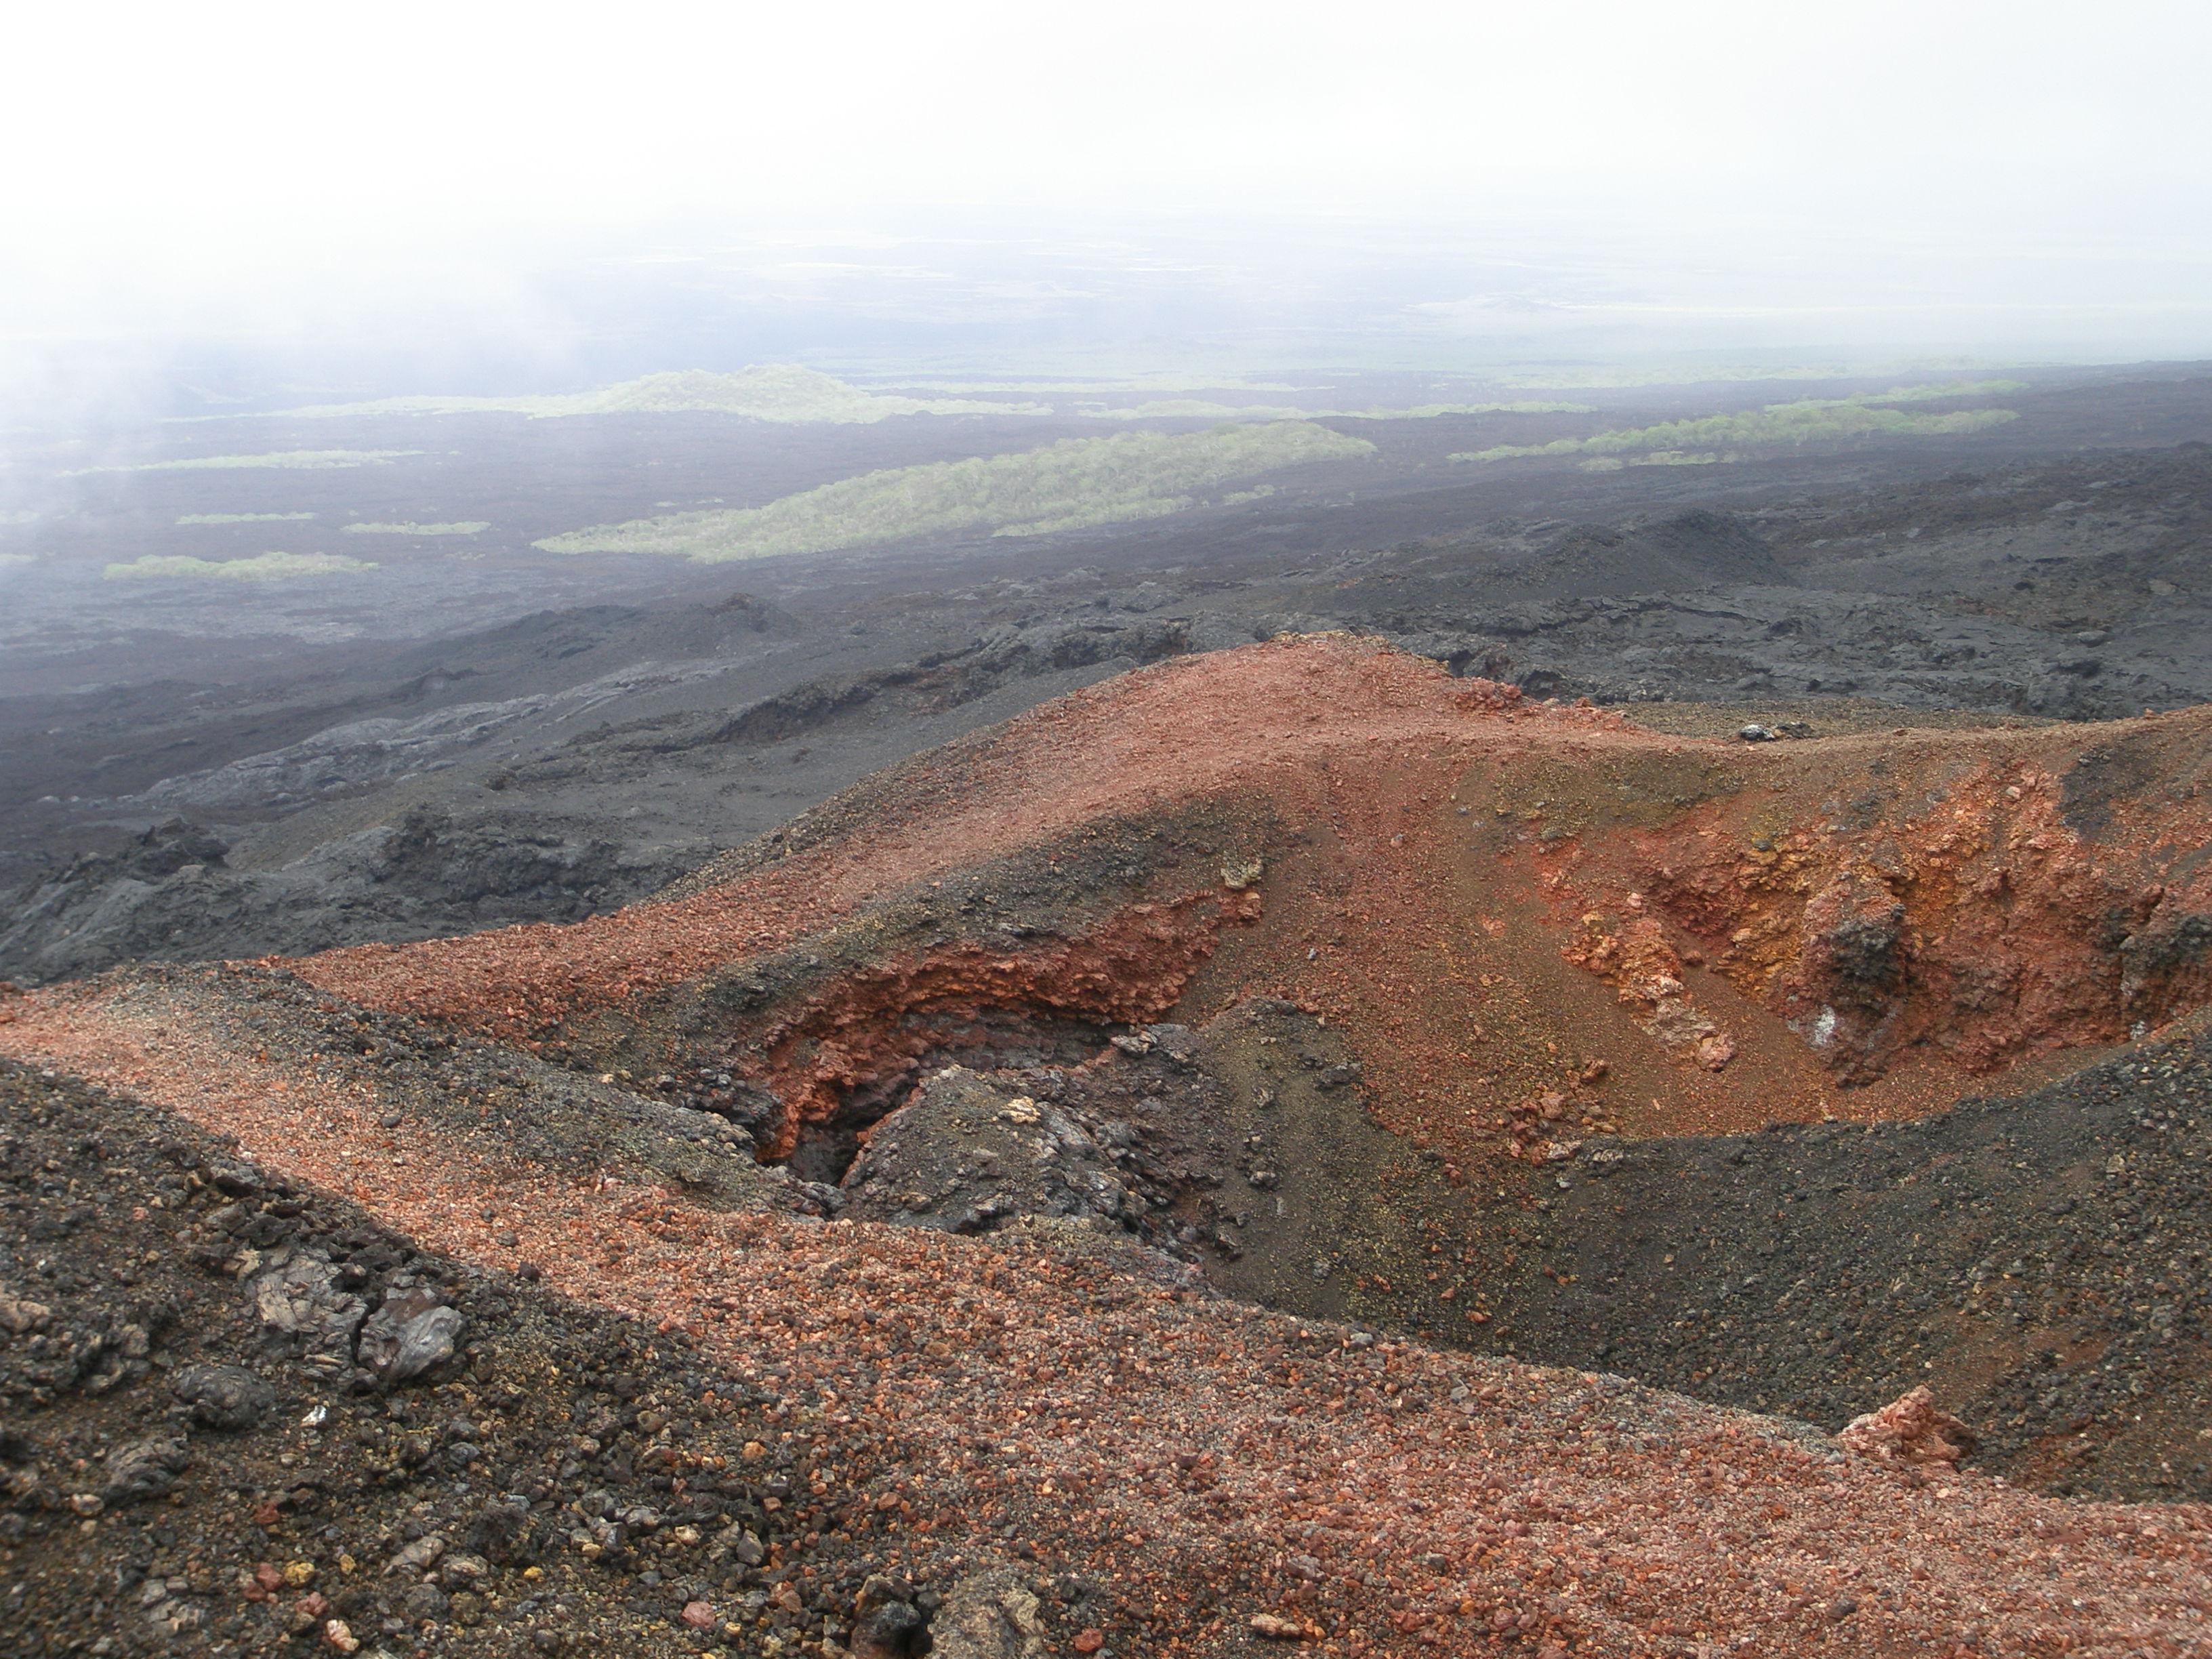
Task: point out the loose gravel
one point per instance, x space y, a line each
1052 1431
187 1465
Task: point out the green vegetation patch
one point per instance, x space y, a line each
790 393
1659 457
466 528
1195 408
1070 485
1934 390
243 518
305 460
1423 411
1823 420
1706 368
264 567
785 392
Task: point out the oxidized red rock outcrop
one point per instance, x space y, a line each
1913 1430
1639 962
878 1021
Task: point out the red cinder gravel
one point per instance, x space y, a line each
1212 1462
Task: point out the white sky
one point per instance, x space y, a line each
225 150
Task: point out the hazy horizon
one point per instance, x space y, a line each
262 205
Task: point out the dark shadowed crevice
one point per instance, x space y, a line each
984 1039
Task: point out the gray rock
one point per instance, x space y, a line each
988 1615
298 1301
464 1569
423 1601
224 1396
410 1333
144 1470
416 1557
238 1180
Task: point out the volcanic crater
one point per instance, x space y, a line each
1454 1029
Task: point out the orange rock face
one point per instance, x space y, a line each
875 1022
1913 1430
2002 904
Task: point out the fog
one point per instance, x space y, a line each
260 202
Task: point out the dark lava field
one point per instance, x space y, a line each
512 735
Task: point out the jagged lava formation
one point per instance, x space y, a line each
1158 933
